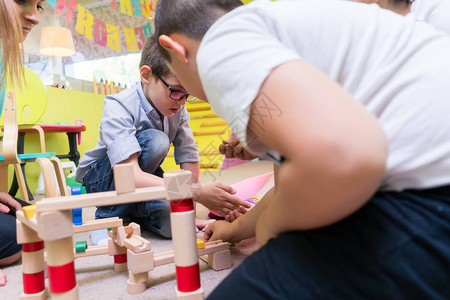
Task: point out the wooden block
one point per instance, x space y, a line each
137 244
178 185
114 249
220 260
136 228
101 199
72 294
59 252
98 224
29 211
138 278
136 288
77 216
32 223
124 178
81 246
38 296
200 244
122 235
164 258
33 262
92 251
140 262
55 225
25 234
195 295
122 267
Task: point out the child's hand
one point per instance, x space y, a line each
218 197
232 216
202 224
235 149
6 201
219 230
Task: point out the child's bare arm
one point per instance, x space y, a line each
141 178
335 151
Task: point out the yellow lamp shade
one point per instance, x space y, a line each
56 41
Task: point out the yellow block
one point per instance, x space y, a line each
29 211
200 244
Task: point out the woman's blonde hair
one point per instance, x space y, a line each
10 39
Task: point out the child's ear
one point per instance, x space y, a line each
146 74
174 47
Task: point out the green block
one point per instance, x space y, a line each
80 246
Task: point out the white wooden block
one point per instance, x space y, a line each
114 249
195 295
178 184
124 178
38 296
55 225
140 262
25 234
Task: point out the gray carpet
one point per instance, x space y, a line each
96 277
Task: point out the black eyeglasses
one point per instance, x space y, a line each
176 94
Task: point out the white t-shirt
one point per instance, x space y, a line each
434 12
397 67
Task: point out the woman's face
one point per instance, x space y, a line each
28 11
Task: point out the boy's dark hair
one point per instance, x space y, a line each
151 57
189 17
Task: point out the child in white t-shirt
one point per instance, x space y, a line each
352 102
434 12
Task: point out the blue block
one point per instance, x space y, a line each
77 216
76 190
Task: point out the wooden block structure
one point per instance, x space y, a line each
52 225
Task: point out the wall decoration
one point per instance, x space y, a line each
95 28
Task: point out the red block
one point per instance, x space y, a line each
62 278
120 258
33 283
181 205
33 247
188 278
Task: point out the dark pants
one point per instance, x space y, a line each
153 215
8 238
396 247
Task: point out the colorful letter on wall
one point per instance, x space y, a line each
69 6
130 39
100 36
125 7
149 8
147 30
137 13
140 37
85 21
113 37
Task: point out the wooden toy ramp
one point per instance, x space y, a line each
49 223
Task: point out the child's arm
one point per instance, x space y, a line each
193 167
141 178
334 150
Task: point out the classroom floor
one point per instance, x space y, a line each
96 277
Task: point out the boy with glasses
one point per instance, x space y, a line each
138 125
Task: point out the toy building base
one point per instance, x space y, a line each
195 295
38 296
